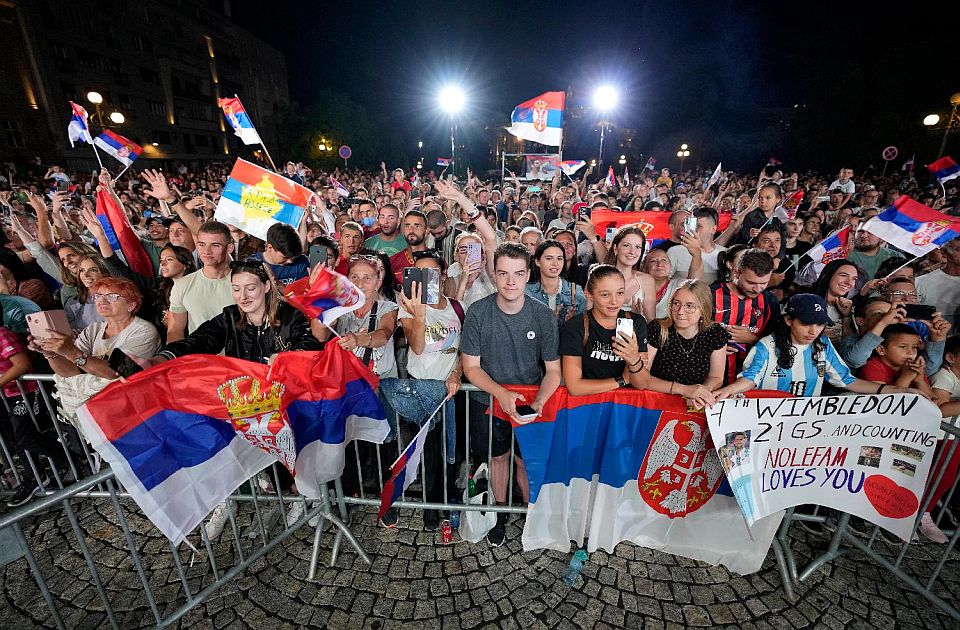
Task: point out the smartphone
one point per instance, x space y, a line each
526 412
317 254
40 323
611 232
474 251
690 225
584 214
739 347
429 281
919 311
62 186
625 326
410 276
122 364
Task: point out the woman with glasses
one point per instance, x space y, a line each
686 350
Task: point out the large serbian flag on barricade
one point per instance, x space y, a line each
655 224
632 466
182 436
253 199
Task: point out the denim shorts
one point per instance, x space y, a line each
415 399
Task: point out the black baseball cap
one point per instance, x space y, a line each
809 309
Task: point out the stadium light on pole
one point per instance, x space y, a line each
605 98
452 100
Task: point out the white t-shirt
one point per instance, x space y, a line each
139 339
680 260
848 188
481 287
384 359
441 344
946 380
942 291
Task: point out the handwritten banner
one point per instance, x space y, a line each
868 455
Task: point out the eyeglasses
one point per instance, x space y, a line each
900 294
689 307
109 297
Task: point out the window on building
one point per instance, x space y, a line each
156 108
13 134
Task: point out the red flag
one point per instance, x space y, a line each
329 296
121 235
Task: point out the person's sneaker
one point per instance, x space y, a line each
498 534
930 530
25 491
431 520
218 519
263 481
294 512
390 518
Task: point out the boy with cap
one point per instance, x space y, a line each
811 359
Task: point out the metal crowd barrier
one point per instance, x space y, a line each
259 526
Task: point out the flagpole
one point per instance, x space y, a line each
818 243
330 328
120 174
909 262
262 145
96 153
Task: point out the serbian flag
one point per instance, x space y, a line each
715 177
239 120
254 198
78 129
626 176
182 436
569 167
834 247
611 180
444 162
651 164
328 297
908 165
540 119
632 465
912 227
341 190
120 234
788 210
403 472
944 169
124 150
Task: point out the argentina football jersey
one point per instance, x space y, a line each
805 377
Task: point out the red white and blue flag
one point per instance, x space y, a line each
569 167
239 119
834 247
328 297
404 471
183 435
632 465
78 128
611 180
626 176
120 234
124 150
944 169
254 198
540 119
912 227
341 190
444 162
651 164
908 165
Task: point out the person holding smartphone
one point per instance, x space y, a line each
603 349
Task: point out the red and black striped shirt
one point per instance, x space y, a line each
732 310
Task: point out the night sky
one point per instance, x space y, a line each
813 87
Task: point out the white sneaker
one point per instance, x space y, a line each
294 512
263 481
930 530
218 518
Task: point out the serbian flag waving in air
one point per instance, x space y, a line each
540 119
239 119
912 227
78 129
329 296
120 233
122 149
569 167
183 435
254 199
944 169
632 465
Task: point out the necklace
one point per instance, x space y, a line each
680 342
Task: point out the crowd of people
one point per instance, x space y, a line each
528 294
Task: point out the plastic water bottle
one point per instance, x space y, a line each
575 567
454 517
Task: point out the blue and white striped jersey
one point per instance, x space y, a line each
804 378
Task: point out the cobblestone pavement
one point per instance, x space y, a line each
417 583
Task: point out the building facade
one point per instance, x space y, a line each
161 65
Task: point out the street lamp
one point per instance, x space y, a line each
452 100
322 147
683 154
117 118
605 99
94 97
931 119
953 122
623 160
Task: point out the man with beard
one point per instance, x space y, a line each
158 233
414 232
389 241
868 252
745 308
444 234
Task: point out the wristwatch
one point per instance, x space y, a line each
620 381
81 360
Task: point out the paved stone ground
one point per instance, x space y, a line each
416 583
